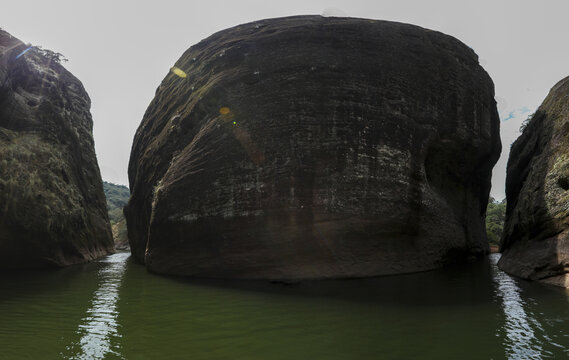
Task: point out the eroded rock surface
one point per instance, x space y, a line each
52 206
311 147
535 244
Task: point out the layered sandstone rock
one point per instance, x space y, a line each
311 147
52 206
535 243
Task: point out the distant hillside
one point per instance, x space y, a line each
495 216
117 198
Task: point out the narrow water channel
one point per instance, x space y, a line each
114 309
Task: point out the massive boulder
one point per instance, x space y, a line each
312 147
52 205
535 242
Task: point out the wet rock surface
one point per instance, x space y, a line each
52 206
311 147
535 244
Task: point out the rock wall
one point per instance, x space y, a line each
535 242
52 206
311 147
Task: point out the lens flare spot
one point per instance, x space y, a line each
224 110
179 72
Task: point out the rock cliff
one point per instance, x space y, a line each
535 243
312 147
52 206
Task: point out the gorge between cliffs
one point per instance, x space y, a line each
301 187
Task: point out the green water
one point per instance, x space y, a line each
114 309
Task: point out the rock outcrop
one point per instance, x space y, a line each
52 206
312 147
535 242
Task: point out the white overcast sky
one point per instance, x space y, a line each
121 50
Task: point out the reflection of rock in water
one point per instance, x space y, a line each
520 341
100 325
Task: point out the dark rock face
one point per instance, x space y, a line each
535 244
311 147
52 206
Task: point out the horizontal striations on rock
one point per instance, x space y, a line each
535 242
52 205
312 147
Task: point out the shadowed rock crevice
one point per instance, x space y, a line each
535 241
52 206
311 147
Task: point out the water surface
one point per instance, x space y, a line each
114 309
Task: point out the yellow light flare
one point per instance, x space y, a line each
224 110
179 72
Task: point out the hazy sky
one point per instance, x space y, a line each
121 50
